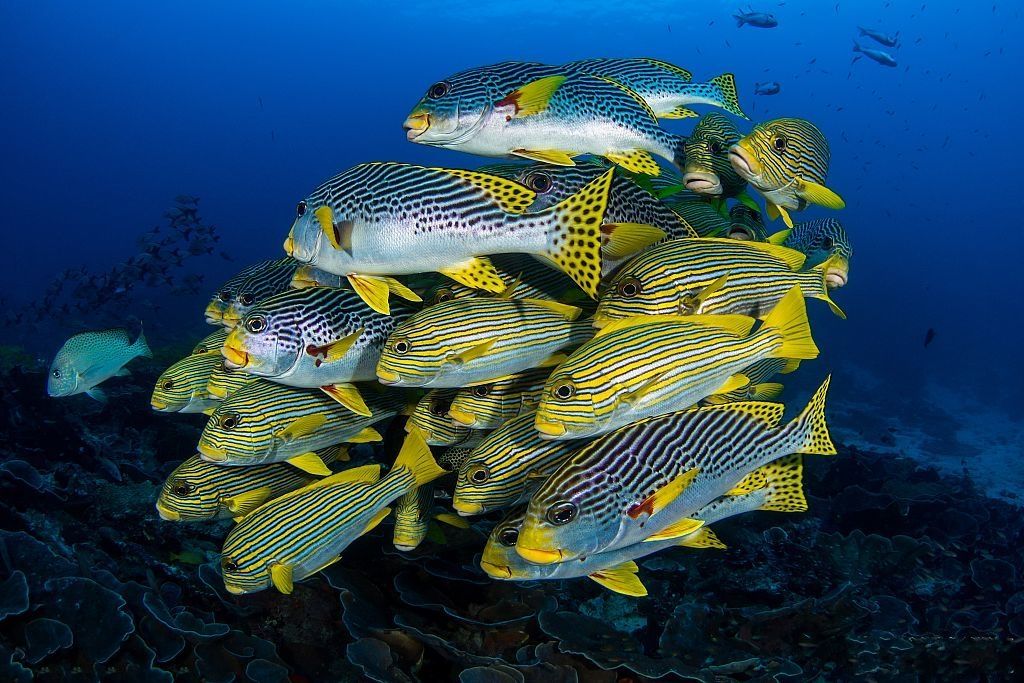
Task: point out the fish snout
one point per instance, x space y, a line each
166 513
462 417
549 428
837 275
385 376
234 356
497 571
211 453
466 508
743 161
416 124
702 182
538 555
157 404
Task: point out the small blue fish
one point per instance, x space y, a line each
756 19
883 58
769 88
879 37
89 358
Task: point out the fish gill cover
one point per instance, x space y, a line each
576 386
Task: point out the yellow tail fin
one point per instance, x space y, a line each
810 426
416 457
789 318
730 102
784 485
574 235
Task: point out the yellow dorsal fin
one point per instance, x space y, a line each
679 112
367 474
636 161
348 396
779 238
641 102
791 257
768 414
241 504
310 462
472 353
565 310
416 457
703 537
739 325
784 482
680 527
621 579
379 517
477 273
452 520
366 435
661 498
554 157
820 195
302 426
532 98
679 71
625 239
789 319
373 291
281 577
507 194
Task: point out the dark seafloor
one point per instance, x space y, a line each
904 575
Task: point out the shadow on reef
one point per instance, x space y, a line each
894 571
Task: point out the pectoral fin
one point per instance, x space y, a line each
281 577
302 426
471 353
97 394
748 201
478 273
734 383
348 396
366 435
821 195
661 498
311 463
565 310
622 579
377 519
625 239
532 98
243 503
452 520
337 350
779 238
547 156
681 527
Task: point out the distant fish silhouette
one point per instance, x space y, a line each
929 336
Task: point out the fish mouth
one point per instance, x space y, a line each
289 245
702 183
388 377
211 453
744 162
158 405
835 277
405 547
465 508
416 125
741 234
167 514
548 428
498 571
462 417
230 319
234 357
233 589
539 556
217 392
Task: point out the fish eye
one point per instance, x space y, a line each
224 295
400 346
256 324
538 181
828 243
246 299
228 421
56 374
300 209
564 389
508 536
715 147
439 90
482 390
478 474
182 487
440 408
443 295
228 565
780 143
562 513
167 384
628 287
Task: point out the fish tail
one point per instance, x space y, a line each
574 233
730 100
789 320
808 432
784 489
739 20
863 31
856 46
141 346
416 457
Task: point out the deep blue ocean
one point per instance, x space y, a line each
110 110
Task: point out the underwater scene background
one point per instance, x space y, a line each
907 563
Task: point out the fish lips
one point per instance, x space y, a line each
702 182
462 417
540 555
548 428
416 125
497 571
167 514
744 162
211 453
234 357
466 508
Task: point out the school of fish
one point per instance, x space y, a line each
584 342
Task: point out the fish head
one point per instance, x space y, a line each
746 224
188 494
317 227
415 355
707 169
567 406
243 569
229 436
224 381
777 154
452 109
499 559
552 184
430 416
307 276
411 519
634 290
63 379
215 308
824 240
263 343
184 382
480 406
564 522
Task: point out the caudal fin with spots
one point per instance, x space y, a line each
726 84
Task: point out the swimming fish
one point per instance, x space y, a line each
746 224
879 37
642 482
430 416
181 388
825 243
756 19
929 336
413 514
768 88
652 365
707 170
759 388
786 160
708 276
89 358
507 466
488 406
211 342
303 532
229 291
265 422
248 288
880 56
666 88
548 115
198 490
225 381
780 490
464 342
377 220
319 337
